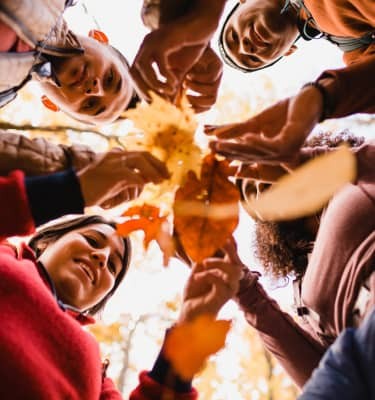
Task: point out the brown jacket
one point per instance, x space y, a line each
39 156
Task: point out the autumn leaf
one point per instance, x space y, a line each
155 227
294 195
202 234
188 345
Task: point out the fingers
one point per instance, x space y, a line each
113 172
261 172
145 165
208 68
231 131
128 194
153 51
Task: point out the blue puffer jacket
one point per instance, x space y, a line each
347 370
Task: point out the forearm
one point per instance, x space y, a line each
349 90
294 348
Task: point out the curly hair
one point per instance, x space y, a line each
283 247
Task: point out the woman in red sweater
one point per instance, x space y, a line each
51 287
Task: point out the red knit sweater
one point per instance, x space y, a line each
44 352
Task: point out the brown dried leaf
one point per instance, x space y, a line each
202 235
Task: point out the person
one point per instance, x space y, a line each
179 46
258 33
65 275
331 257
83 76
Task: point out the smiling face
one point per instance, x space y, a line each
95 86
84 264
257 34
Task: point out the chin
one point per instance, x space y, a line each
68 291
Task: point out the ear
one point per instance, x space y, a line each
291 50
99 36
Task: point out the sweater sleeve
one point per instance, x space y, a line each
293 347
350 90
346 370
162 382
29 202
15 213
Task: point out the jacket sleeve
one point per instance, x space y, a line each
350 90
39 156
346 370
159 383
294 348
162 382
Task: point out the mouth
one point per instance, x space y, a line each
87 269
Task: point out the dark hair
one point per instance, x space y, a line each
283 247
135 99
54 232
227 58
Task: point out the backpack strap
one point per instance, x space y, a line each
309 29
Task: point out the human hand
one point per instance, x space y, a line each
117 175
211 284
183 40
204 79
275 134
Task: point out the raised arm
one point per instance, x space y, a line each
279 131
294 348
31 201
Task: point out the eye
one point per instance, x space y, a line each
91 241
109 78
90 103
234 36
112 267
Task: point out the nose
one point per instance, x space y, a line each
246 47
100 257
94 86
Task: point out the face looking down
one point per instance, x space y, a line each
84 264
256 34
95 86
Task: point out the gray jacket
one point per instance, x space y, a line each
40 24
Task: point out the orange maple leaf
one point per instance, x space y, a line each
202 234
155 227
188 345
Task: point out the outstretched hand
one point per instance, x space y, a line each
211 284
275 134
168 53
203 80
118 176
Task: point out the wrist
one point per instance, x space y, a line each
326 107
